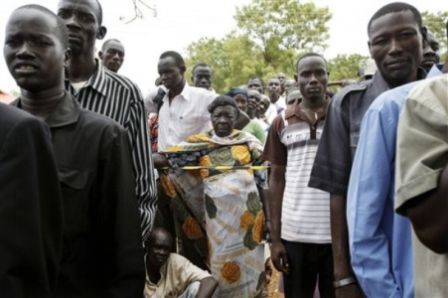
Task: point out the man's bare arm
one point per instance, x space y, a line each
341 255
207 287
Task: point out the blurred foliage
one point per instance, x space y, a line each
272 34
344 67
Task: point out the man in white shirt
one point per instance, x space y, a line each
184 109
170 275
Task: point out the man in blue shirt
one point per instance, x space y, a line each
379 239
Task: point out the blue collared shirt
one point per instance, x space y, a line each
379 239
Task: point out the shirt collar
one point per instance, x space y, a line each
97 80
296 110
66 112
185 94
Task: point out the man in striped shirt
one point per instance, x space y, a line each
109 94
300 216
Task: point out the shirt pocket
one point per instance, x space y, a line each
75 199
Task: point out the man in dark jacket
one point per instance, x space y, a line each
102 253
30 207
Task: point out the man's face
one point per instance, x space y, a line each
33 50
264 104
202 77
255 84
241 102
274 87
281 77
81 19
430 52
170 74
223 120
113 55
312 77
159 250
395 43
253 102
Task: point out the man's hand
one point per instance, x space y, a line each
349 291
279 257
160 161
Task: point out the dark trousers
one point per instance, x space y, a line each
308 264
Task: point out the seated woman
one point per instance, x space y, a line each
230 214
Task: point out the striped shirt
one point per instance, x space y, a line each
117 97
292 142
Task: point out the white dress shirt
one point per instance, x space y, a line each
186 115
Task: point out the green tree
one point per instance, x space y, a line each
233 59
283 29
435 22
272 34
345 67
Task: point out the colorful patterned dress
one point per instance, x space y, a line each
233 217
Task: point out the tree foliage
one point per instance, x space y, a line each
436 23
344 67
233 59
272 34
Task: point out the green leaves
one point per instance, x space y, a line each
435 22
271 36
344 67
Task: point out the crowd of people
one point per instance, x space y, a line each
191 193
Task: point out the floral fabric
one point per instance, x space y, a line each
231 213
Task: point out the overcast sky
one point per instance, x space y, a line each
180 22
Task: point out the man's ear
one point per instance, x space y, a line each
67 56
296 77
424 32
100 54
101 32
369 45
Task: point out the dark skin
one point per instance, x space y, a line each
82 19
256 84
312 77
172 76
223 120
430 52
396 45
202 77
112 55
158 249
253 103
242 102
274 89
36 57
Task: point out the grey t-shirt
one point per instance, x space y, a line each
331 169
